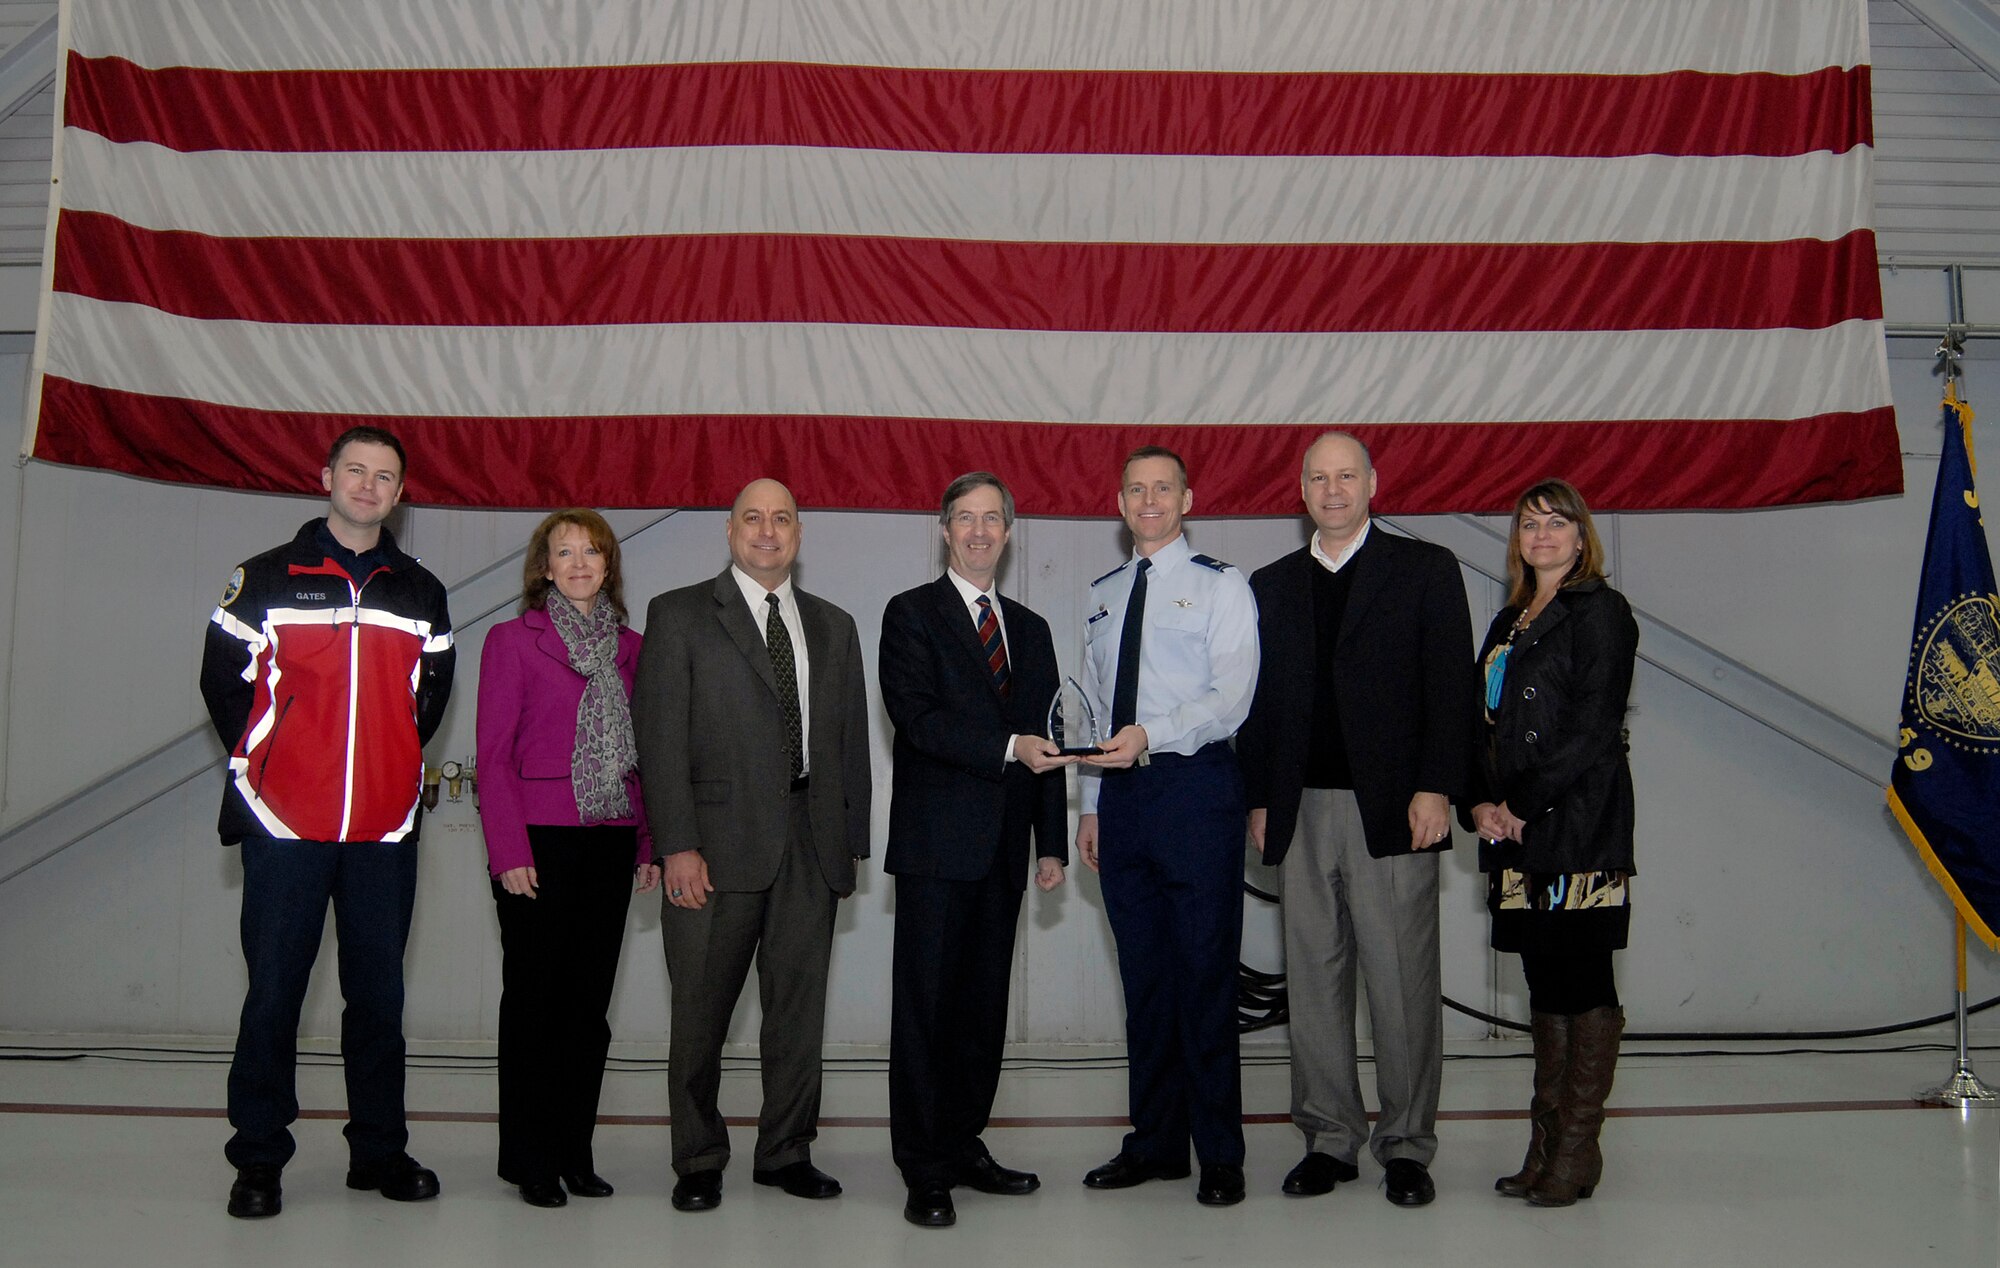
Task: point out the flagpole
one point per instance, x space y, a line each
1963 1088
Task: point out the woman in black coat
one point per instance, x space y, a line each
1553 806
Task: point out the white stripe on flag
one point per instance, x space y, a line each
1609 37
971 374
1013 198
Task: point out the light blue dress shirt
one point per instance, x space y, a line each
1197 652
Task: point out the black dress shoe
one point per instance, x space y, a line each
800 1179
588 1184
1409 1183
1317 1173
256 1195
1221 1184
930 1205
698 1191
988 1176
399 1177
544 1193
1124 1171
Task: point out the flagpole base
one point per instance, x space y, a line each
1964 1090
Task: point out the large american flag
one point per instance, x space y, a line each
633 252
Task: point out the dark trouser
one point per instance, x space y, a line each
559 959
286 886
1570 982
1170 858
954 952
788 928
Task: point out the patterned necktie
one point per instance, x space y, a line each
1125 695
778 641
996 648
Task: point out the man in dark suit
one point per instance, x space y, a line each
967 675
1356 741
751 718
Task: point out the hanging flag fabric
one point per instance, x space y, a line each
1945 789
626 253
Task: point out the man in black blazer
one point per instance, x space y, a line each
967 675
751 717
1356 741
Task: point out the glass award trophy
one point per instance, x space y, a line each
1073 724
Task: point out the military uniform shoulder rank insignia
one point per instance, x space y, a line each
1109 575
1209 561
234 588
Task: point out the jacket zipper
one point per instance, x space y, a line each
353 704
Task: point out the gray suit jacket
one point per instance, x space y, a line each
711 737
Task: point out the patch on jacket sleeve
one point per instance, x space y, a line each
234 588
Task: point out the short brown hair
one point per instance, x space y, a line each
535 583
1155 451
978 480
1561 498
369 436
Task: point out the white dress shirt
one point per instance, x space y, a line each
1335 563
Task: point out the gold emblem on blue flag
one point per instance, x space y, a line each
1945 785
1957 673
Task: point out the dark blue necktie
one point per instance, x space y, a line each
1125 695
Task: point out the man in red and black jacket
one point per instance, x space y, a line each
327 667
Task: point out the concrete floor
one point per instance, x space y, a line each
1711 1160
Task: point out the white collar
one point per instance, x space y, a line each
971 593
754 591
1336 563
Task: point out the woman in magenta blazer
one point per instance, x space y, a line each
565 836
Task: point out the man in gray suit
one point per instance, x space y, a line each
751 718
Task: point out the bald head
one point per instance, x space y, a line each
761 490
1337 479
764 532
1341 438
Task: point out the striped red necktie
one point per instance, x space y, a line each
995 646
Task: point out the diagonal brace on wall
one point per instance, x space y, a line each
1676 652
195 752
27 67
1967 25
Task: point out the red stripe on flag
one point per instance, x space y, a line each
1807 284
1054 469
993 112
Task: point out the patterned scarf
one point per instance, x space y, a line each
604 750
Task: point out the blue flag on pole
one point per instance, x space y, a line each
1945 788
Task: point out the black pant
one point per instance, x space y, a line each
1570 982
286 888
954 952
559 959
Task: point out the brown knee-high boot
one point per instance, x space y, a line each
1550 1032
1576 1162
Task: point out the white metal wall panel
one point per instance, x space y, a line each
1937 144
